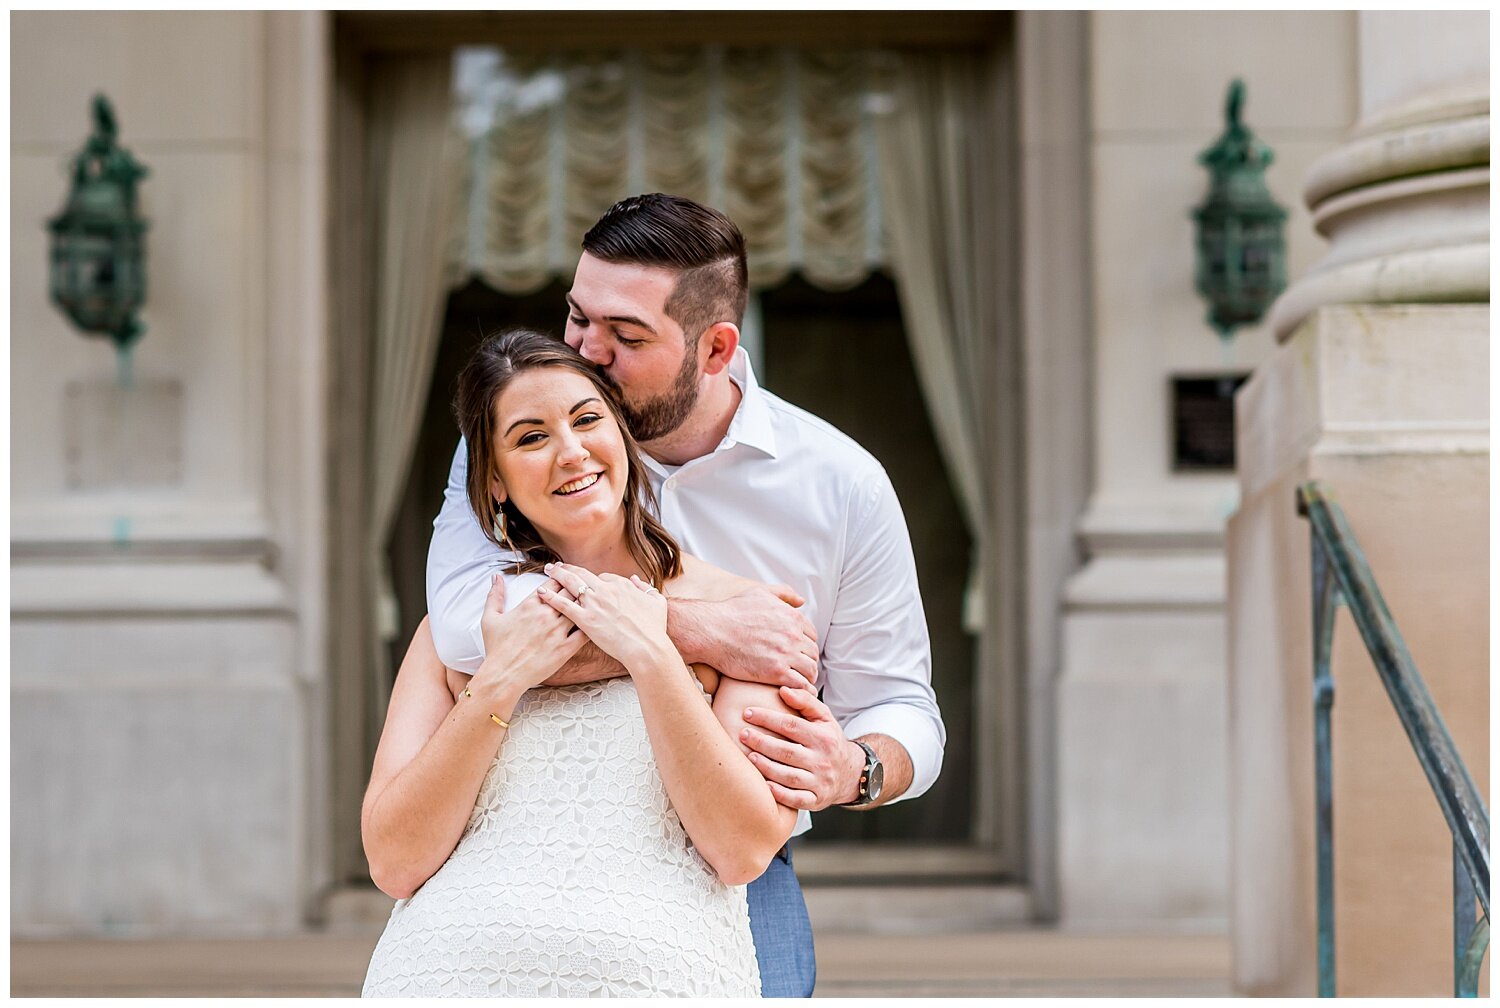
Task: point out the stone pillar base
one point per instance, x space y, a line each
162 749
1388 406
1140 745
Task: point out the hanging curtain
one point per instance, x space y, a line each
833 163
782 140
937 199
413 181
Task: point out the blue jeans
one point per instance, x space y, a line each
782 932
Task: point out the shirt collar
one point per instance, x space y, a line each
751 424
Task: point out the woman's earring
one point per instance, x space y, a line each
504 535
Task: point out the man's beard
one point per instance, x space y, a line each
660 416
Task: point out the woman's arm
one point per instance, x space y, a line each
434 753
432 757
724 803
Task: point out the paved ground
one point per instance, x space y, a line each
1012 962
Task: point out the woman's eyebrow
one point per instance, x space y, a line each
532 420
528 420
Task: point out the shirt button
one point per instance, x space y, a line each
672 483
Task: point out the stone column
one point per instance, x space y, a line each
1379 390
167 533
1404 203
1142 809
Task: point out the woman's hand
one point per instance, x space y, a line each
525 646
626 617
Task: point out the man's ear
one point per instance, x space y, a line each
721 338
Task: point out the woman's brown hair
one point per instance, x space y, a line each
500 357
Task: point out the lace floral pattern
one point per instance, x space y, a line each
574 876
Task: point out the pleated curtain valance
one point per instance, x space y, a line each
781 140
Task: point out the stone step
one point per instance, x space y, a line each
1026 961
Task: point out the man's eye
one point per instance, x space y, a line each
579 322
627 341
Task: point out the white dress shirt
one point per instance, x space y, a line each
784 498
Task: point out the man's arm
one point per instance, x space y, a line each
809 763
460 563
877 668
756 636
897 770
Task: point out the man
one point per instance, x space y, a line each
765 490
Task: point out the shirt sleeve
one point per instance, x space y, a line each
876 661
460 563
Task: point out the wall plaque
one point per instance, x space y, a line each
123 438
1203 421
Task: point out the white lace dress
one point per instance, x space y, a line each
574 876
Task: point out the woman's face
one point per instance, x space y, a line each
559 453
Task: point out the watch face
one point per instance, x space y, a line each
877 781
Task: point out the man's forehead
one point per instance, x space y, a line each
606 288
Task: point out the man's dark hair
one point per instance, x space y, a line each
702 245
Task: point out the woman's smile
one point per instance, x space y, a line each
578 486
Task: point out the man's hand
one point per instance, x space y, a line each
807 761
758 635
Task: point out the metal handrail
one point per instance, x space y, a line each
1342 577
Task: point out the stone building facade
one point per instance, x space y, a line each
176 540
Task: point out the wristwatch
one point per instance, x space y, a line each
871 779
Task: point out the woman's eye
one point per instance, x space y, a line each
534 437
587 419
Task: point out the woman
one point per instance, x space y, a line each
578 840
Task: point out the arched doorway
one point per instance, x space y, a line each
974 829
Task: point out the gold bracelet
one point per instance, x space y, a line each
493 717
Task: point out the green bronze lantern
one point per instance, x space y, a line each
1241 244
98 241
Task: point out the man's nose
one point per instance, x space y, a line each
594 347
